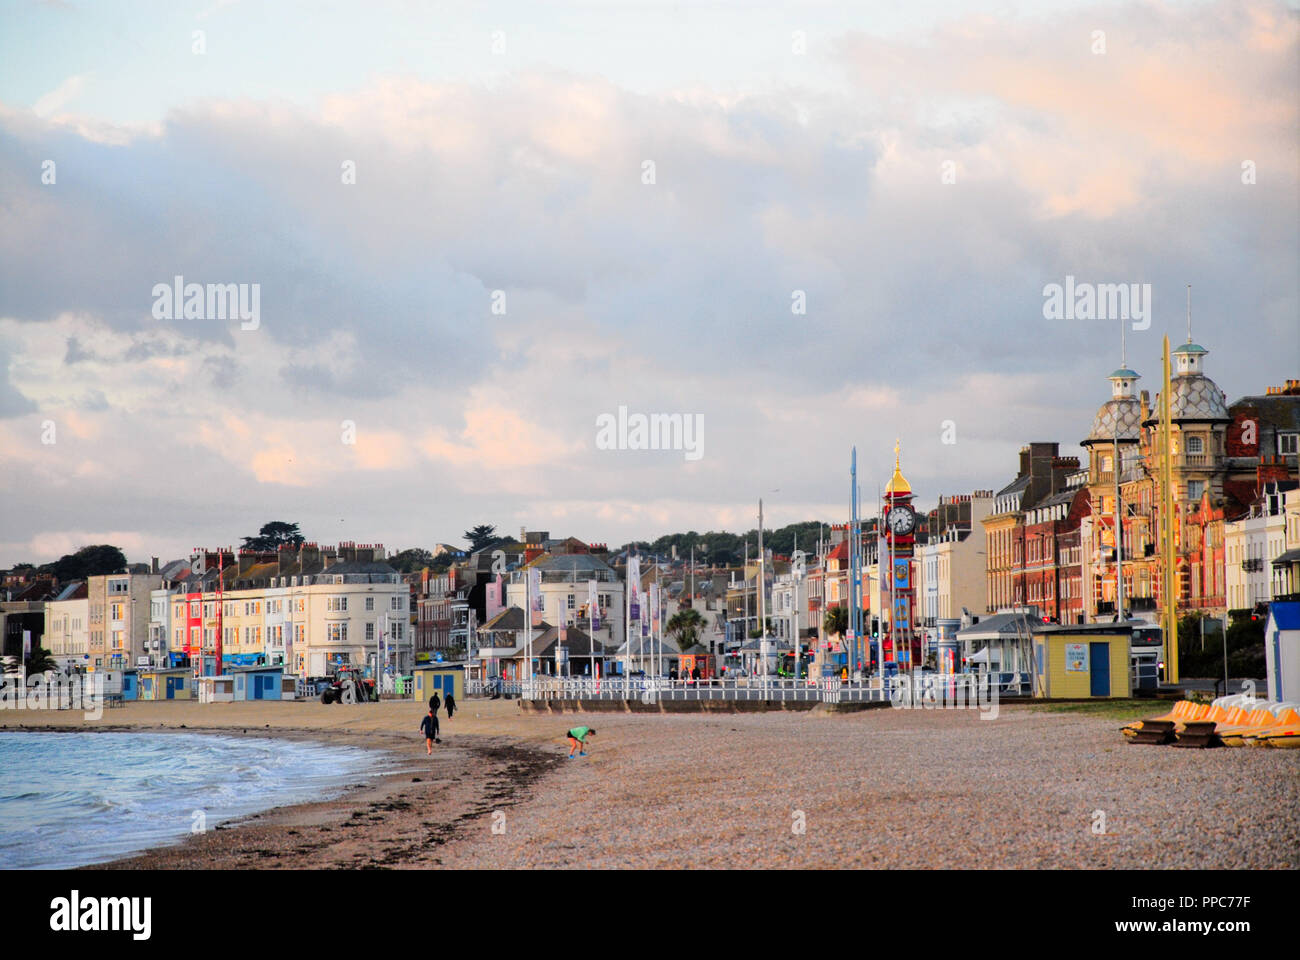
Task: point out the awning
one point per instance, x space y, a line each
981 657
1291 556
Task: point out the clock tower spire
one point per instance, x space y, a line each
900 533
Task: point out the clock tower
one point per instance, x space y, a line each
896 566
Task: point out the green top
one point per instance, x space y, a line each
579 734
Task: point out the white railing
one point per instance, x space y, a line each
763 689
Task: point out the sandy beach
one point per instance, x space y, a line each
887 788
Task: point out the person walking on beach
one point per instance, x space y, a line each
434 703
451 704
429 727
578 738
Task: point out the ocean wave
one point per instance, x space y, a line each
70 799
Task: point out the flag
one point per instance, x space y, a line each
539 602
593 604
654 606
634 587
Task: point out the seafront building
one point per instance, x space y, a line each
67 619
311 609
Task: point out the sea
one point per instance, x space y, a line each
71 799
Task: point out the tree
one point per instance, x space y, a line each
273 535
836 621
480 536
684 626
39 661
410 561
87 562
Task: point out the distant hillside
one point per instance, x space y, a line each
723 547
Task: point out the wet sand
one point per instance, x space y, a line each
400 818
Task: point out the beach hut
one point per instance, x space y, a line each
130 685
1078 661
166 684
216 689
1282 651
440 678
258 683
696 656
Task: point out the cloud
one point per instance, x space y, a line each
923 298
53 102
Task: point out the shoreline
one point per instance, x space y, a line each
397 817
888 788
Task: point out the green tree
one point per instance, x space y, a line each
836 621
39 661
1245 639
87 562
273 535
480 536
685 626
411 561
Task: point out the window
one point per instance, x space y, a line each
398 603
370 603
336 604
572 604
370 631
1288 444
116 611
337 632
195 607
1195 488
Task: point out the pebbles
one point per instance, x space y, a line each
895 788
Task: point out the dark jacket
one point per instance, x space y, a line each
429 727
451 705
434 703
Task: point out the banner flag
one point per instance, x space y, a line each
593 604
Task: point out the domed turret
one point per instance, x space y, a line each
1195 396
898 485
1121 415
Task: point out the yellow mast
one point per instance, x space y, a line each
1170 611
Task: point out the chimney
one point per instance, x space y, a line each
153 564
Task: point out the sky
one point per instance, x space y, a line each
475 230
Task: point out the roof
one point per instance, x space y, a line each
898 484
73 591
1195 397
648 646
355 567
1124 373
1291 556
1285 615
999 626
1020 483
579 565
1190 347
578 642
511 618
1119 415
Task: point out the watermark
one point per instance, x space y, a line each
212 301
102 914
1098 301
58 692
655 431
952 691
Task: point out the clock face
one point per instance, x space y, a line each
901 520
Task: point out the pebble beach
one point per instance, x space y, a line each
879 788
